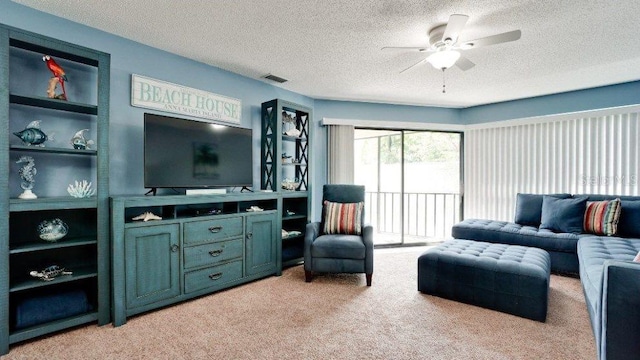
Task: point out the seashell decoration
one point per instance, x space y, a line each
81 189
52 230
293 132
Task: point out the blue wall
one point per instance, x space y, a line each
129 57
561 103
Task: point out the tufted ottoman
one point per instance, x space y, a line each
509 278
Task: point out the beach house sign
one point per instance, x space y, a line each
161 95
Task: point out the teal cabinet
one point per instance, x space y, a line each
186 254
261 244
152 259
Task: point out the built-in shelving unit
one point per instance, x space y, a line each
285 169
29 306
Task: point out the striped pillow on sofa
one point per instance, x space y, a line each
601 217
343 218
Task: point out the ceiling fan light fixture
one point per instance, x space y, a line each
443 59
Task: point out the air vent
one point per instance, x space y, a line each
275 78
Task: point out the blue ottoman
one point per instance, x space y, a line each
508 278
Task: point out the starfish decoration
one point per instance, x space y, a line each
147 216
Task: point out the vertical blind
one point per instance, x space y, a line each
590 155
340 154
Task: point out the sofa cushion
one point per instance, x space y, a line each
601 217
515 234
529 208
338 247
593 251
629 224
563 215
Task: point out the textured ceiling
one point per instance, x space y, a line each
332 49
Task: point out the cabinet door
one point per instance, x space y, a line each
152 259
261 244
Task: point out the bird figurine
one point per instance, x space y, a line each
59 76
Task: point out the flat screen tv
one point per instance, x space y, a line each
181 153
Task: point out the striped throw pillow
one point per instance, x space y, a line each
601 217
637 258
343 218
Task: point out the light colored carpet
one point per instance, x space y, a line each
334 317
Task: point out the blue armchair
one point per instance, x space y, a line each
339 253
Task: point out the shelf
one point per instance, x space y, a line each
32 283
47 103
294 193
32 46
48 327
294 217
276 145
293 138
295 237
42 245
52 203
86 249
53 150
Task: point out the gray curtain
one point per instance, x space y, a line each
340 159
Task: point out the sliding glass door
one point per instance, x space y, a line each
413 183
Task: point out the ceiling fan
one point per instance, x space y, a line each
443 43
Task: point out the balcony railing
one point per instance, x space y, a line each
422 217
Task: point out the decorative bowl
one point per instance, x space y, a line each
52 230
289 184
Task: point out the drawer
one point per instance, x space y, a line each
212 230
213 278
213 253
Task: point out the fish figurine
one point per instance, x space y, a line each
32 135
79 142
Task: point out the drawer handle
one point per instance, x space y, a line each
215 276
174 248
249 236
215 253
215 229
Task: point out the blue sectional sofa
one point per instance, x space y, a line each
610 279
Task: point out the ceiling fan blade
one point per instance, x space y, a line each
412 48
414 65
492 40
464 64
454 27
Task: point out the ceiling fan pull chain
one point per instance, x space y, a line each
443 83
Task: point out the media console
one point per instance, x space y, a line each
202 244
